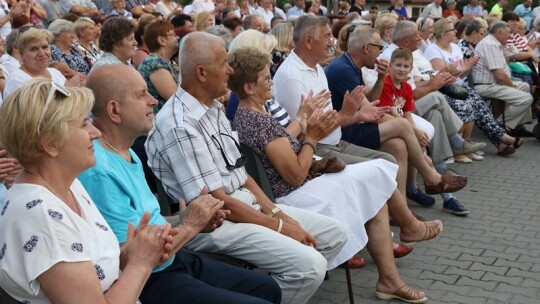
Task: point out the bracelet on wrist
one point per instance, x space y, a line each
309 144
274 212
298 121
280 225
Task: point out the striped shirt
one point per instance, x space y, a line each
491 55
278 112
518 41
184 148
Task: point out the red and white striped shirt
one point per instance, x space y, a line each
518 41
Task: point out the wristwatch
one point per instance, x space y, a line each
274 211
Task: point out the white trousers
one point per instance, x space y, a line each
298 269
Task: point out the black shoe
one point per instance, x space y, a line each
520 131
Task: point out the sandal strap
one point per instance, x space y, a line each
408 293
433 229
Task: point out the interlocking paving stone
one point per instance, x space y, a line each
490 256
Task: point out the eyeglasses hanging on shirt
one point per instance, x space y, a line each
240 162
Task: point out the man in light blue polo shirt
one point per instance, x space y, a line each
124 111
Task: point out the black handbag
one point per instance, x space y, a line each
454 91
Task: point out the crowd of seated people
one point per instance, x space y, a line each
103 102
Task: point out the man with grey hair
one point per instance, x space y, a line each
431 105
394 136
491 77
301 73
192 146
123 111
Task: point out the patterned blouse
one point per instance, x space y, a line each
467 48
37 230
91 54
256 130
151 64
75 60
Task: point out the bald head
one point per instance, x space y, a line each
197 48
109 82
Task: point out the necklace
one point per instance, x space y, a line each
72 205
128 158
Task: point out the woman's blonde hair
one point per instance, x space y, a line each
343 37
81 24
254 39
422 22
384 21
283 33
32 35
26 118
201 18
440 27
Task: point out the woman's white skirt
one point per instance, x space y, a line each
353 196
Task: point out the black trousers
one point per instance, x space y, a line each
196 279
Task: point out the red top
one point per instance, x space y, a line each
402 98
449 12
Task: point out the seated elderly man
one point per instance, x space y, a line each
192 146
301 73
431 105
491 77
394 136
117 185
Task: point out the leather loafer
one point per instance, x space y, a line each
449 183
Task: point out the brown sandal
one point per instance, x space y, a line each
433 230
449 183
405 293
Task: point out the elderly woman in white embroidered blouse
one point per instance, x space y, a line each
50 230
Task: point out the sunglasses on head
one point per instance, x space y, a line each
55 88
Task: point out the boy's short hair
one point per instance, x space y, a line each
401 53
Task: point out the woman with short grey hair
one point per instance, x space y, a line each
65 56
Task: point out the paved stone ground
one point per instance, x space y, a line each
490 256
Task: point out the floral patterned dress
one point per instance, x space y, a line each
151 64
75 60
352 196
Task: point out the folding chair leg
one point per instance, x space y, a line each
349 284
